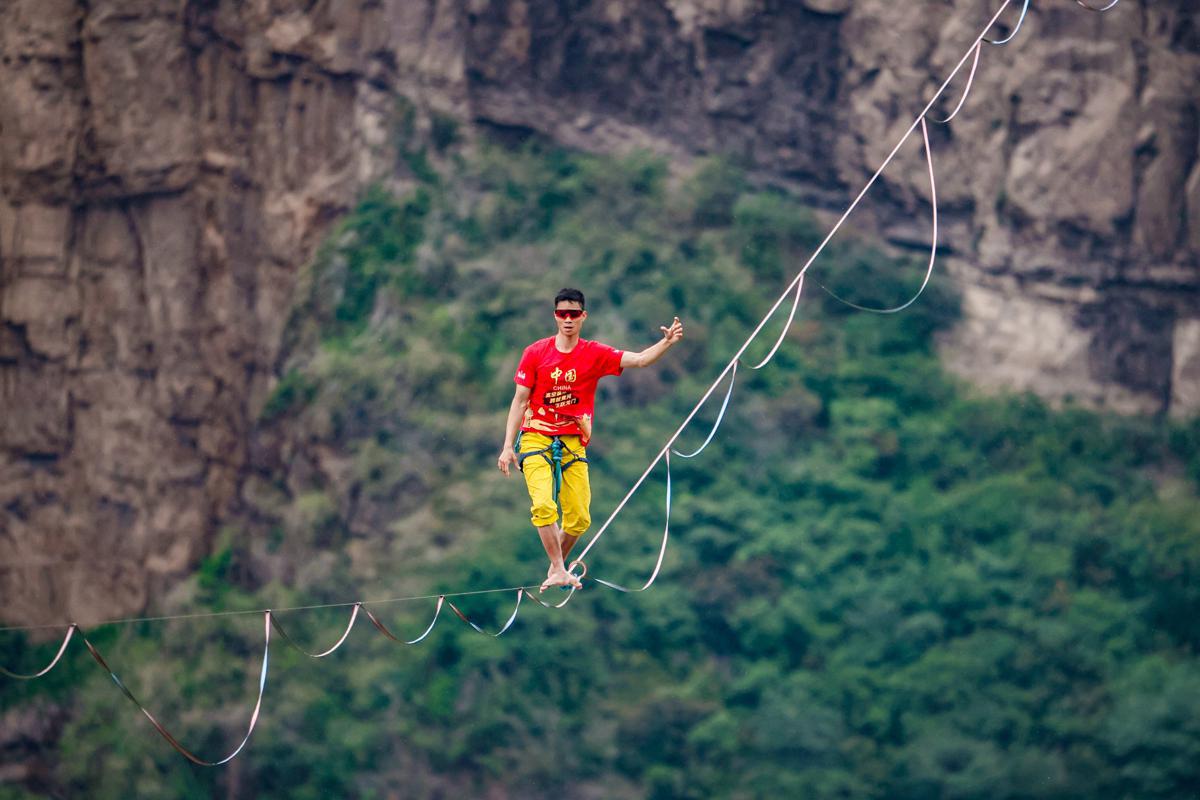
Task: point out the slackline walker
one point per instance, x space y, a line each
509 456
552 412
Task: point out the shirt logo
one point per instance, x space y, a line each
554 376
570 376
521 374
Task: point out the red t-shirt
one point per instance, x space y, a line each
563 385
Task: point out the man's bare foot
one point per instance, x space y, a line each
560 577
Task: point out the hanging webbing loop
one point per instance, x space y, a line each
578 563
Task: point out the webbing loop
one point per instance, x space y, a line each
966 91
171 740
933 239
662 550
71 629
1016 28
349 625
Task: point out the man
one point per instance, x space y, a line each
552 409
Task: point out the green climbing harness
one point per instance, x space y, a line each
554 457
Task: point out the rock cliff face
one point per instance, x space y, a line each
166 166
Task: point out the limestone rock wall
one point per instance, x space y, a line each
166 166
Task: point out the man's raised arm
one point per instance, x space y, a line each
655 351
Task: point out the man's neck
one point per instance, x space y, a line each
564 343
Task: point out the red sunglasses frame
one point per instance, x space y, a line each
568 313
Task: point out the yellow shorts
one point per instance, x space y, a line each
576 492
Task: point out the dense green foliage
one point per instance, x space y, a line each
879 586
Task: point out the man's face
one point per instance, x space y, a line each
569 316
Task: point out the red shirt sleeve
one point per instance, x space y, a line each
609 359
526 369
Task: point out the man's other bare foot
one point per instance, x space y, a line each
560 577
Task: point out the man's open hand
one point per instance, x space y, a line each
507 458
674 333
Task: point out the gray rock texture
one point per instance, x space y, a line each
166 166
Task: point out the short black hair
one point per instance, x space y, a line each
569 296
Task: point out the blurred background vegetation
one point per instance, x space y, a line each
879 586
